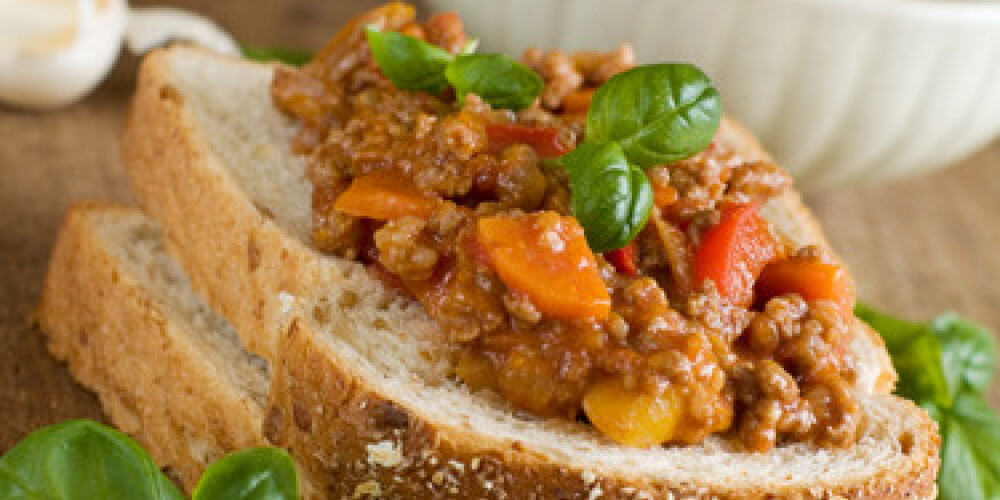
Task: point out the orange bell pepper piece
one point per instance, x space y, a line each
578 101
734 252
545 140
811 278
383 195
545 256
632 417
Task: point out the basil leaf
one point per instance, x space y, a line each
497 78
958 478
610 198
916 355
968 353
253 474
970 464
82 460
410 63
658 113
291 57
896 333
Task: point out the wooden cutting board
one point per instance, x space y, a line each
917 247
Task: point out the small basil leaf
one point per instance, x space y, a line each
410 63
292 57
896 333
958 478
498 79
968 353
916 355
921 377
610 198
970 465
82 460
658 113
252 474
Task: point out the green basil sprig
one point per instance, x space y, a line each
498 79
652 114
606 188
657 113
409 62
84 460
79 459
413 64
253 474
945 366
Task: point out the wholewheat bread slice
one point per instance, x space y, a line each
167 370
360 393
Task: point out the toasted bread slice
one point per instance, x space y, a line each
360 389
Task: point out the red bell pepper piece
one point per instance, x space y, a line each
625 259
734 252
545 140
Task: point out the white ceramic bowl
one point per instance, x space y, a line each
841 91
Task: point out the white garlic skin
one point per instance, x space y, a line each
50 75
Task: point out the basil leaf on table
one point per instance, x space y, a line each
916 356
409 62
970 462
253 474
291 57
496 78
611 198
945 366
968 353
81 459
657 113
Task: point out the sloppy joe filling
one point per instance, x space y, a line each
709 322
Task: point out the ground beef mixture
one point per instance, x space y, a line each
673 361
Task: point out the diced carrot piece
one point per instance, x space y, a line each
578 101
733 252
382 195
545 140
811 278
664 195
625 259
632 417
545 256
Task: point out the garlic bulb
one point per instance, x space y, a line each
53 52
151 27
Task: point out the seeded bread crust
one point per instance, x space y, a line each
252 268
389 451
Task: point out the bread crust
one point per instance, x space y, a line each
315 398
242 271
121 343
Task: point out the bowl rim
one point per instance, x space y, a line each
965 11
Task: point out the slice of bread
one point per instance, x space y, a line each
174 375
167 370
360 393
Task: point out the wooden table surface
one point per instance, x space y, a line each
917 247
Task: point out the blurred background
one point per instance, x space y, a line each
917 245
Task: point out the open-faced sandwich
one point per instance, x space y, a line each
440 273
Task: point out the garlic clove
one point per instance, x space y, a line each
151 27
52 52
